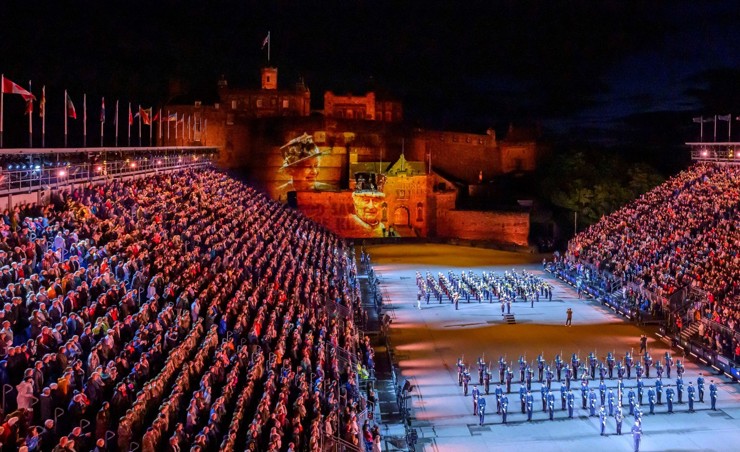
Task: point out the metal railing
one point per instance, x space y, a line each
715 152
40 177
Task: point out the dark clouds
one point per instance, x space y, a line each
463 65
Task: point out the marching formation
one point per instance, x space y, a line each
608 388
507 288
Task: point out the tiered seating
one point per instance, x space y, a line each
682 232
178 311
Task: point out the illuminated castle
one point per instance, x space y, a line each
356 134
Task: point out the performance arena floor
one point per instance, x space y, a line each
427 343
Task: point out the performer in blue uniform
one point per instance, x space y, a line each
482 409
637 435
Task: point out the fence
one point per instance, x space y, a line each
39 177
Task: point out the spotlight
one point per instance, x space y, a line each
37 167
132 164
704 153
159 162
10 167
61 173
98 168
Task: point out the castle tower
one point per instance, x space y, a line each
269 77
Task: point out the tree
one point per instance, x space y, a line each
594 184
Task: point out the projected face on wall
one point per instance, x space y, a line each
303 174
368 206
368 201
301 161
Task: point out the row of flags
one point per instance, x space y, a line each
727 118
145 115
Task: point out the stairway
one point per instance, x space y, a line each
509 319
689 331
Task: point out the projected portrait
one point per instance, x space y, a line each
368 201
302 162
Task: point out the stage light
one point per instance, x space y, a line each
159 162
98 168
37 167
10 167
61 173
132 164
704 153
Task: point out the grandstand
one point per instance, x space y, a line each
176 309
672 255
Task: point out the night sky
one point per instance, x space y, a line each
591 70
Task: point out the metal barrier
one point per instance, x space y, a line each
7 389
41 177
337 444
58 412
84 424
109 435
134 446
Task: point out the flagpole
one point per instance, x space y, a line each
715 127
2 104
66 108
43 117
129 120
139 125
159 138
701 134
84 120
269 43
115 123
30 119
729 128
176 117
168 127
151 126
102 120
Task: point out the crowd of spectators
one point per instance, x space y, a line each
684 234
182 311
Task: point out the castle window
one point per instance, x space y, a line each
233 105
259 103
286 103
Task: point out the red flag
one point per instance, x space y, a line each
42 104
130 115
156 117
29 106
71 108
144 116
13 88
